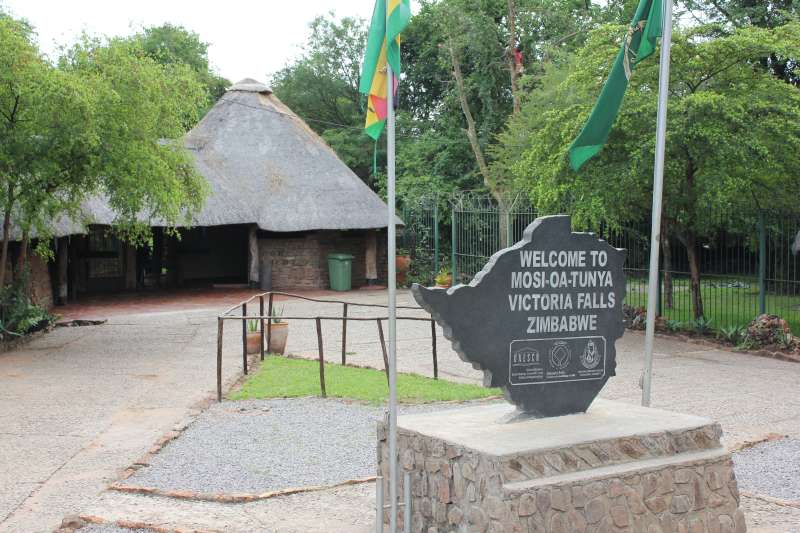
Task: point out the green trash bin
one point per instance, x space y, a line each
340 268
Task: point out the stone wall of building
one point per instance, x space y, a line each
300 260
662 483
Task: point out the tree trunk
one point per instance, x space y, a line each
694 270
6 234
667 254
512 63
472 133
474 142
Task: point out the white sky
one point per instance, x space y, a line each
247 38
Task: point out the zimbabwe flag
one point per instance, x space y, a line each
373 69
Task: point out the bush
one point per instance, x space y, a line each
18 314
732 334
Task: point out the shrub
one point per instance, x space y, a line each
18 315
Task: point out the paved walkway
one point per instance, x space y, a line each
81 404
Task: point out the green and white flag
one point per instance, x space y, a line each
639 43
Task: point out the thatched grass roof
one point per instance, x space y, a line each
265 166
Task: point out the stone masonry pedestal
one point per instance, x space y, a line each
617 467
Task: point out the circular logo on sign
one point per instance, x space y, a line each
590 357
560 355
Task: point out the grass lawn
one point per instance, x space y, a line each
281 377
725 306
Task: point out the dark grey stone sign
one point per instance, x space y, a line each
541 318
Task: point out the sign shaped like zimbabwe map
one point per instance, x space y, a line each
541 318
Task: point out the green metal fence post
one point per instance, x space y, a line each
509 235
659 300
453 266
762 264
435 236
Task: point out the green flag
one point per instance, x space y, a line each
639 43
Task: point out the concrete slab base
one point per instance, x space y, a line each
617 467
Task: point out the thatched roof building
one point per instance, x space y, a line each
280 198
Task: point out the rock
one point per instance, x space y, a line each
73 522
527 505
595 510
620 516
680 504
455 515
559 499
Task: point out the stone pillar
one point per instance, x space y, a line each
617 467
62 269
371 257
252 256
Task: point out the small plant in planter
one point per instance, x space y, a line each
279 333
253 337
444 279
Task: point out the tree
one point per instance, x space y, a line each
93 126
477 43
172 45
732 140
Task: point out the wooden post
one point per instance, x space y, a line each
261 325
252 256
433 345
220 323
383 347
344 335
371 257
269 321
62 261
321 359
244 338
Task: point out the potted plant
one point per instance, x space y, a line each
253 337
444 279
279 333
402 263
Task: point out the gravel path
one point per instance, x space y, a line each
262 445
771 469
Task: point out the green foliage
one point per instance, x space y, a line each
733 135
702 325
280 377
784 340
443 277
175 45
733 334
18 315
277 312
675 325
252 326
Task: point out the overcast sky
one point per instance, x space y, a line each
247 38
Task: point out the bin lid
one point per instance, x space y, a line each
340 257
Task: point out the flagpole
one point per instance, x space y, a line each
390 200
658 190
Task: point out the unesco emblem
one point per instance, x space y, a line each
590 357
560 355
526 355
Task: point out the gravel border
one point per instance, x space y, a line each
771 468
258 446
